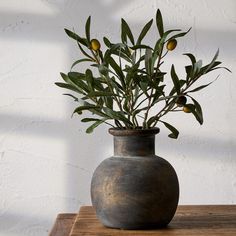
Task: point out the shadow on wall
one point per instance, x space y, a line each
41 27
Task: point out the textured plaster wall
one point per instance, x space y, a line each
46 159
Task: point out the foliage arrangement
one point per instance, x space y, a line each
129 81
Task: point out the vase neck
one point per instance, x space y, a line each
134 145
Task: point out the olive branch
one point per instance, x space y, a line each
130 82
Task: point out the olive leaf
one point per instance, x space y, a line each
192 58
107 42
159 23
174 132
160 43
196 110
87 28
201 87
94 125
148 61
175 79
70 95
76 37
144 32
69 87
118 115
126 32
179 35
79 61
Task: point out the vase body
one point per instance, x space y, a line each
134 189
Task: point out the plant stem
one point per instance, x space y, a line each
118 101
151 94
159 115
95 57
109 124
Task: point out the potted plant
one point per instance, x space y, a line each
124 86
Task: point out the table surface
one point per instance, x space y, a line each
194 220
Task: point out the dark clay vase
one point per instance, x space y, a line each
134 189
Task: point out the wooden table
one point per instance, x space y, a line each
204 220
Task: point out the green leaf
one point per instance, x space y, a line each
91 108
109 101
72 79
188 70
119 49
205 69
159 44
80 109
103 70
76 75
221 67
198 115
113 50
117 70
89 119
116 67
166 98
134 113
90 80
192 58
159 23
143 86
140 46
116 85
175 79
179 35
197 67
148 61
174 132
151 120
84 52
69 87
101 94
87 28
181 83
76 37
70 95
130 75
100 53
200 87
159 92
118 115
94 125
79 61
65 77
144 32
163 38
213 60
126 32
77 80
107 42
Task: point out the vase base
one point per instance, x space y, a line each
137 227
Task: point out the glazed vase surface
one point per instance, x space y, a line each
135 189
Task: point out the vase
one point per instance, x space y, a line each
134 189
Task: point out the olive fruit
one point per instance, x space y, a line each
186 109
171 44
95 44
181 101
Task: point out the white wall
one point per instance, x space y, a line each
47 160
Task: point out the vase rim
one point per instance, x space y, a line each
133 132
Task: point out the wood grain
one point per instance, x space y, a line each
63 225
188 221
